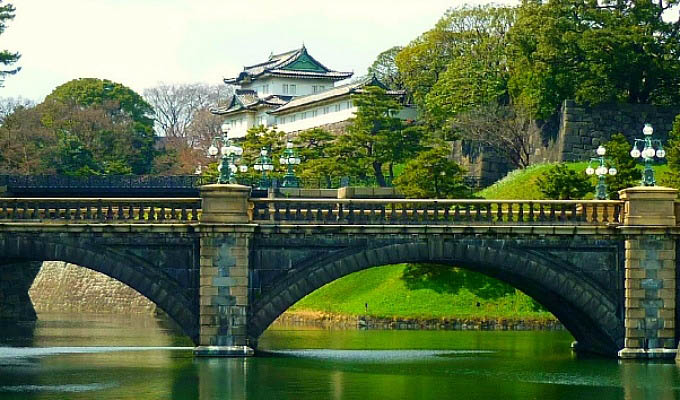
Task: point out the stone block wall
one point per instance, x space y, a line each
572 134
650 293
64 287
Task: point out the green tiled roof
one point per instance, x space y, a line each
294 63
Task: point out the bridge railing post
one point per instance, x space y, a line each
650 272
225 234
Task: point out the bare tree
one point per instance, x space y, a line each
176 106
505 129
10 104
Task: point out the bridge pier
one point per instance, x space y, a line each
650 273
16 279
225 235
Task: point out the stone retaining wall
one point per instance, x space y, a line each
63 287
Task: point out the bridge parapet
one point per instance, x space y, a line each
436 212
130 210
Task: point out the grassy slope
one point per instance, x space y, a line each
387 294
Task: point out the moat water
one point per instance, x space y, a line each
76 356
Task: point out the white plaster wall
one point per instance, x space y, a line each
239 124
303 87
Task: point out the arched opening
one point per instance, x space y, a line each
582 307
124 268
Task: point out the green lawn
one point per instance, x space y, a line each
390 291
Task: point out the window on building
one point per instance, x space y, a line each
314 88
326 110
322 88
265 89
337 107
285 89
292 89
292 118
314 113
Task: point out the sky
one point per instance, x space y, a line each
141 43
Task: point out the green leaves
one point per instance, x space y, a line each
432 175
7 57
563 183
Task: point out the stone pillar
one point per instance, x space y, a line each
15 280
649 272
225 246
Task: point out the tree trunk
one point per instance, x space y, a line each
379 177
391 172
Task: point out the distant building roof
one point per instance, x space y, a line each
338 91
247 100
295 63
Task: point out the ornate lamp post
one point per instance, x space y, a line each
290 158
263 163
601 171
648 152
231 157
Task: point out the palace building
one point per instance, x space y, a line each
294 92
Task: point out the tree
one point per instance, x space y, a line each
432 175
7 57
563 183
461 32
385 69
176 106
594 52
628 174
376 136
26 145
505 129
121 104
673 154
10 104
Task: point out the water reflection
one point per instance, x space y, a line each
100 357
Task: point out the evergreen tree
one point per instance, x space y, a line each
7 57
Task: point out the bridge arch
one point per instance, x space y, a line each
127 269
584 309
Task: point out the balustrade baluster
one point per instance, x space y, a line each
161 213
531 212
319 213
563 213
350 213
393 213
574 216
109 213
14 210
595 218
67 211
499 213
446 212
5 213
520 213
456 212
131 211
383 216
173 212
287 215
120 213
510 216
605 214
277 212
541 212
489 213
468 215
341 213
152 213
617 213
77 215
426 213
330 215
88 212
182 214
404 213
100 214
24 211
310 214
552 217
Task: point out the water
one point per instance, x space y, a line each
85 357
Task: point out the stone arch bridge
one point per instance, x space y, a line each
225 266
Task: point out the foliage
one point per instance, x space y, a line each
121 104
673 155
26 145
7 58
628 174
376 136
478 72
432 175
563 183
384 68
594 52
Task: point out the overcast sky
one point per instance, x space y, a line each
142 42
